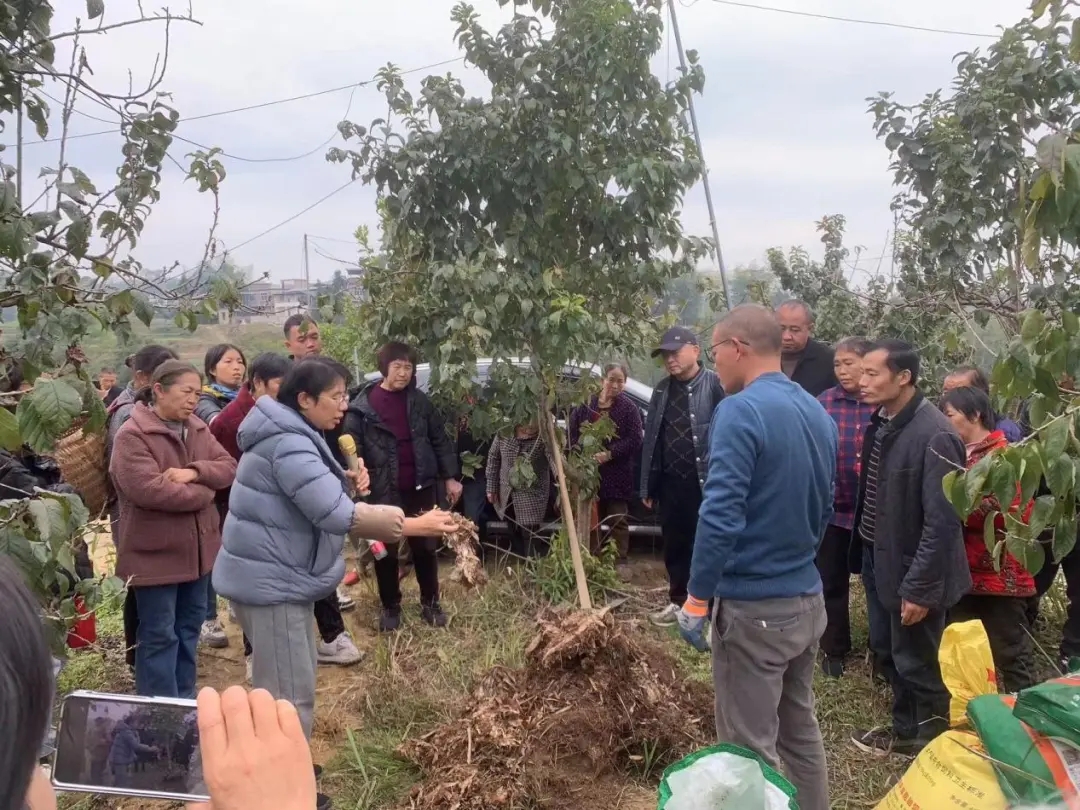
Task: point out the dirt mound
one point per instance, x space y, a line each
590 701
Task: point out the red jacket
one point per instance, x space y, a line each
227 423
1013 579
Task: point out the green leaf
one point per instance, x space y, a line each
1002 482
9 431
1030 553
1060 475
1064 534
1069 320
46 412
144 310
1034 321
990 532
1055 437
1074 41
97 414
956 492
1041 514
49 518
95 8
975 479
1038 8
1031 476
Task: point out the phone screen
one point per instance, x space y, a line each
129 746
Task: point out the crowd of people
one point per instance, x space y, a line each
822 462
776 475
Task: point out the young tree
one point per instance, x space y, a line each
66 261
541 221
990 191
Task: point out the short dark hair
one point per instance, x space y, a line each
856 345
899 356
974 374
107 370
313 376
298 319
166 374
393 351
269 366
146 359
26 685
214 355
974 403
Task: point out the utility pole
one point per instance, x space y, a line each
307 274
704 164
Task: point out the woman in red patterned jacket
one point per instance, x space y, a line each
998 598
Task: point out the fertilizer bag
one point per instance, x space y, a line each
953 771
1052 708
725 777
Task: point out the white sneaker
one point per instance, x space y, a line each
345 602
247 667
213 635
665 617
341 651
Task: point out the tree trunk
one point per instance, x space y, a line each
567 508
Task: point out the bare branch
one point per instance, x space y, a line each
167 18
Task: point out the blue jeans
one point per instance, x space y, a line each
170 617
211 600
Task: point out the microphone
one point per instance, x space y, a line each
347 446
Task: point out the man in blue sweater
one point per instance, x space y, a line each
766 503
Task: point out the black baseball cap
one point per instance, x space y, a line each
674 339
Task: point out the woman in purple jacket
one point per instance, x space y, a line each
617 459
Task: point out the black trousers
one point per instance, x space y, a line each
678 508
908 658
1070 637
1006 623
424 559
833 565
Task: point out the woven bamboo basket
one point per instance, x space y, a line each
81 458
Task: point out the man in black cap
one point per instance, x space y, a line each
674 456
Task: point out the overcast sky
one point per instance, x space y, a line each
786 133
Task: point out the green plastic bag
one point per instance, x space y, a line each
725 777
1052 708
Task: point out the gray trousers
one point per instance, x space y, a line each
283 658
764 654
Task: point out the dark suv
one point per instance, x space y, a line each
642 521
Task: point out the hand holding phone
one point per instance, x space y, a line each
254 752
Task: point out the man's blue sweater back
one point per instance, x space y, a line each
768 496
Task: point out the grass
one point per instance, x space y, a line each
419 678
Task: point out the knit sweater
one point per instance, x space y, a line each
768 496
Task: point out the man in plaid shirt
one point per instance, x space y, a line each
851 416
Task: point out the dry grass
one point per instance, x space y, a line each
420 678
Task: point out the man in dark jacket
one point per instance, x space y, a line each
675 455
911 545
804 360
407 450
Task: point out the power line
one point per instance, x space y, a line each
881 23
126 119
259 106
297 215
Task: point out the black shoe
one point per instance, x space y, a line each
318 771
881 742
833 667
390 620
323 802
433 615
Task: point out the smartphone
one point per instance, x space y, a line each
129 746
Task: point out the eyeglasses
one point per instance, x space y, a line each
343 396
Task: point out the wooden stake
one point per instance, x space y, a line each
568 521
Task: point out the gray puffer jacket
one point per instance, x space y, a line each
288 513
